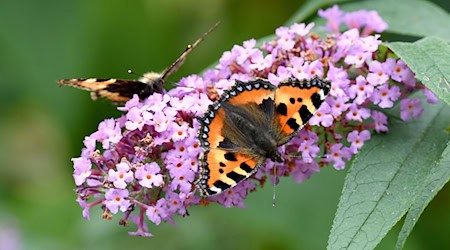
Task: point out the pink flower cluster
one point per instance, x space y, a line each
145 162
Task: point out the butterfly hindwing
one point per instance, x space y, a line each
296 101
222 169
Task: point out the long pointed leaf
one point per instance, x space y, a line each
385 177
439 176
428 58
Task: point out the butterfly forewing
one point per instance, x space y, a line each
296 102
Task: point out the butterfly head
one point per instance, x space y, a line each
275 156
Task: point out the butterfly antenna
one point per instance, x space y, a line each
274 185
131 72
177 64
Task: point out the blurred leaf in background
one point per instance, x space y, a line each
43 126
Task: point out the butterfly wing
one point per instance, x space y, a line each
227 159
116 90
296 101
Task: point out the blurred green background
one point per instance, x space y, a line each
42 126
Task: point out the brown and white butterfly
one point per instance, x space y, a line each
122 90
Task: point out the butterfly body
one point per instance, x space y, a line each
248 124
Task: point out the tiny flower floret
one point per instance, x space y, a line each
117 199
122 176
149 175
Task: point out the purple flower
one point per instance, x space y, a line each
136 118
337 155
158 212
116 199
285 40
182 180
370 43
359 59
379 73
122 176
282 74
82 170
235 196
431 97
85 207
149 175
374 23
339 81
334 18
260 62
108 132
385 96
133 102
243 53
301 29
410 108
380 121
303 170
157 102
323 116
361 91
309 151
357 113
357 139
338 105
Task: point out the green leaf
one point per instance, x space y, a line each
310 8
428 58
385 177
409 17
435 181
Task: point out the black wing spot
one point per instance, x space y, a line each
304 114
226 143
292 100
315 98
235 176
230 156
222 185
244 166
222 164
299 99
292 123
282 109
220 170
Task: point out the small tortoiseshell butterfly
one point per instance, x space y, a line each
122 90
248 124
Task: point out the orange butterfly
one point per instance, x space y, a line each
248 124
